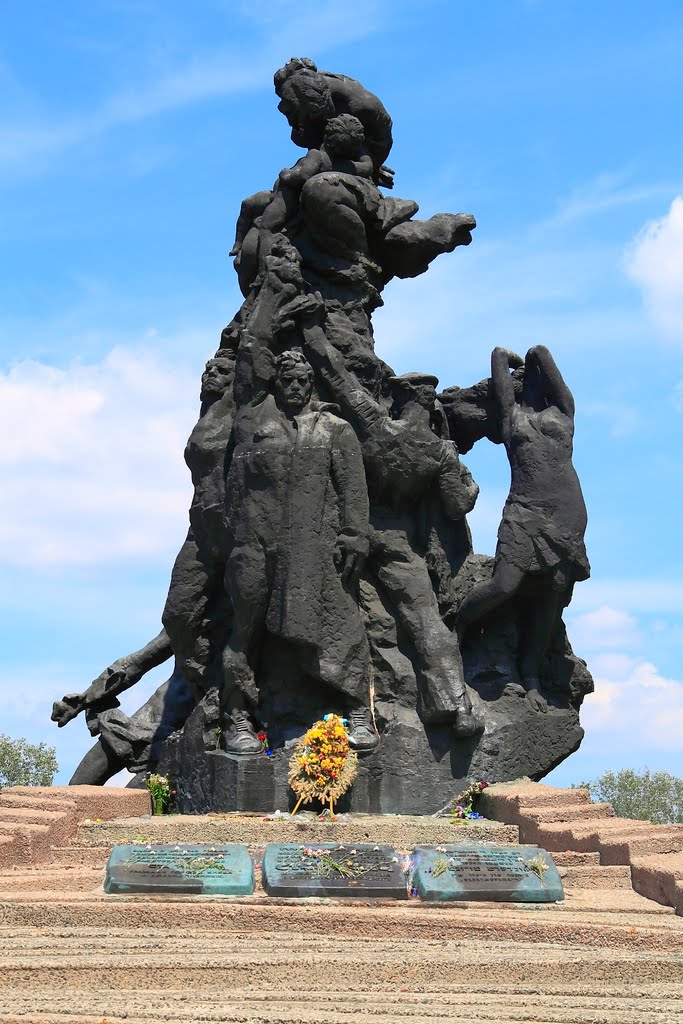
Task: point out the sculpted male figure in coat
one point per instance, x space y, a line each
296 502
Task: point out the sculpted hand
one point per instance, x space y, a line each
68 708
349 555
537 701
302 306
386 176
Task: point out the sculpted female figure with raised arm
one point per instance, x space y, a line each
540 538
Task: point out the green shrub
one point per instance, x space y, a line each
652 796
26 764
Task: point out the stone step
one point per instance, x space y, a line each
590 916
623 847
587 836
8 798
569 812
596 876
612 900
567 858
403 832
660 877
645 1003
282 1004
60 822
507 801
96 802
95 856
323 962
56 879
31 842
8 853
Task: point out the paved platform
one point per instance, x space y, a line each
69 954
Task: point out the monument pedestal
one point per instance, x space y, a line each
413 771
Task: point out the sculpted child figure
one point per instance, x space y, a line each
343 150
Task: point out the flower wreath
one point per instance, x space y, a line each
323 765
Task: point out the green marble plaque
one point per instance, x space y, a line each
223 870
333 869
517 874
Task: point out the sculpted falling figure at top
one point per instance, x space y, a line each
329 203
540 539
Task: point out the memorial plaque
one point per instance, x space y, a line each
333 869
517 874
224 870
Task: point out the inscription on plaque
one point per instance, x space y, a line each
224 870
333 869
516 874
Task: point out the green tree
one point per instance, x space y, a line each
652 796
26 764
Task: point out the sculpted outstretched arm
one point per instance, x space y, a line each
348 473
456 486
356 404
502 361
117 677
255 364
556 390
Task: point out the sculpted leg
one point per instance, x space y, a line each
97 767
485 597
535 634
247 586
404 578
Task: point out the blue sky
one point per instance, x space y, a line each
129 133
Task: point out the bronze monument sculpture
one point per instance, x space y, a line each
328 565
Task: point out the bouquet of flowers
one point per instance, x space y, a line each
160 791
323 766
462 804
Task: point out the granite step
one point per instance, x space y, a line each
328 963
590 916
30 842
81 856
403 832
8 798
568 812
97 802
587 836
498 1003
62 879
37 816
660 877
623 847
595 876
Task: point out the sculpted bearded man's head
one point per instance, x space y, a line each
218 375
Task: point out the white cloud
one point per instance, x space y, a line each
655 262
91 459
223 71
638 595
605 628
633 707
606 192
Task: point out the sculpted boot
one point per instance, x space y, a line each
466 724
241 738
362 736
